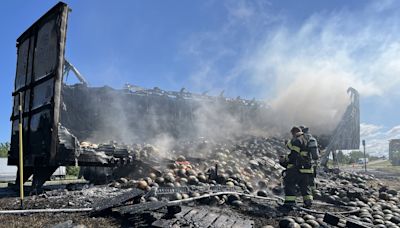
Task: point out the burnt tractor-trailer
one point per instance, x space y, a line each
58 119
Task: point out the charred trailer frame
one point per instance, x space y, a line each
40 61
47 144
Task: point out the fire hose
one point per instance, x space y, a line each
350 210
175 202
277 199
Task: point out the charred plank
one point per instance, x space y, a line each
108 203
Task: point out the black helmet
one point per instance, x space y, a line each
304 128
295 130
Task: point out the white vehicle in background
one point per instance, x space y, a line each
361 161
8 173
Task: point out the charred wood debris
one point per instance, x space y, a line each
235 183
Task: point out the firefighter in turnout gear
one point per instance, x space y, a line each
298 168
312 148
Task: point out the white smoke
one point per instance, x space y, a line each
303 70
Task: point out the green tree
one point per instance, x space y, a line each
72 170
374 158
355 155
342 158
4 148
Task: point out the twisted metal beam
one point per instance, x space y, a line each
347 133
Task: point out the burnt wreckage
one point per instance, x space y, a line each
347 133
57 117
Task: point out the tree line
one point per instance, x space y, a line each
4 148
353 157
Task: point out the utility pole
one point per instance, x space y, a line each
365 158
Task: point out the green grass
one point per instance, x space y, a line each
386 166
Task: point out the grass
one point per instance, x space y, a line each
380 165
385 166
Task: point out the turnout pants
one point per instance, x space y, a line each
294 180
311 181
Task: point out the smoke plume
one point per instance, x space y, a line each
301 68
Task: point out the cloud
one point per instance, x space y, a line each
303 67
394 132
377 138
240 10
369 130
382 5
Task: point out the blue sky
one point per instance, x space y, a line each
270 50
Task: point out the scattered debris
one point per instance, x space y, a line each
235 182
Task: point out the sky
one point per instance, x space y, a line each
272 50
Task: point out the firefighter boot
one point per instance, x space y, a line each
307 203
286 208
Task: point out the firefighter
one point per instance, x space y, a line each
312 148
297 171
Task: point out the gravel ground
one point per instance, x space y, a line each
49 220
